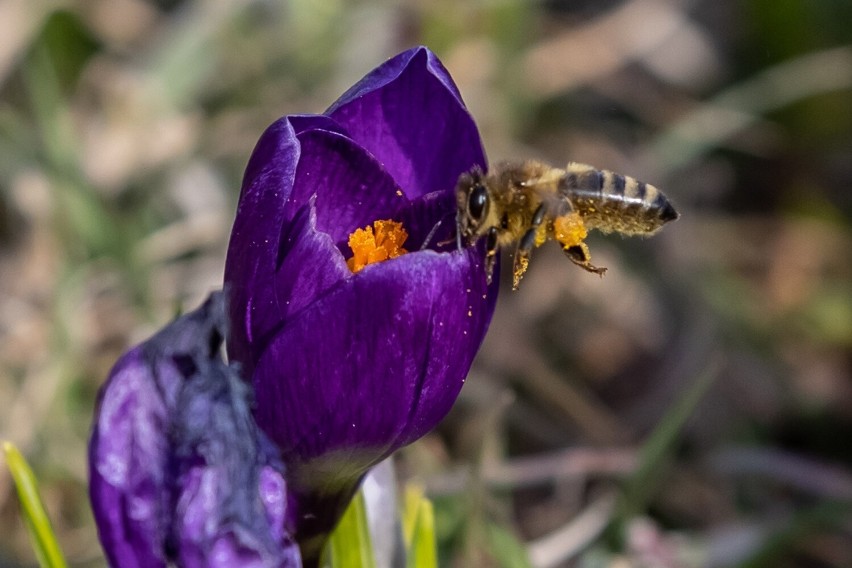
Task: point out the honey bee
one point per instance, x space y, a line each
531 202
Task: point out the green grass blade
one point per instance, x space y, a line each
44 541
350 545
744 104
505 547
410 508
659 446
419 530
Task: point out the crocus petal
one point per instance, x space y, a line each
375 363
365 369
178 470
220 517
127 480
348 189
252 253
129 450
352 190
430 216
305 122
310 264
409 114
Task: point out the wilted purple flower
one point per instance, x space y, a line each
347 367
179 473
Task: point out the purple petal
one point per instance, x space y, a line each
309 264
365 369
304 122
430 216
409 114
252 252
206 539
178 469
220 515
270 270
352 189
128 455
390 70
376 362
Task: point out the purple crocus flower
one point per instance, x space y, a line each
179 473
348 367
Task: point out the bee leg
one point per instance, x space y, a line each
537 218
522 257
525 246
491 250
579 255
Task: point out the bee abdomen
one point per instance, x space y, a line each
609 201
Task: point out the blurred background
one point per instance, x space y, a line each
692 408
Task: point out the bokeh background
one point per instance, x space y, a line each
692 408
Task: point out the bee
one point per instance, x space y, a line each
531 202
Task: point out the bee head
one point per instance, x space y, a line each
473 203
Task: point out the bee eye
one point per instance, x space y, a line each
477 202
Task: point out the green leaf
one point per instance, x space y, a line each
44 541
350 545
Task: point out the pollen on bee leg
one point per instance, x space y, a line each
569 230
521 265
541 235
380 242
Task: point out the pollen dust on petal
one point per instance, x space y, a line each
380 242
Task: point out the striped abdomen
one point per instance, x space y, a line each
609 202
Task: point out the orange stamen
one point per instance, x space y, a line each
380 242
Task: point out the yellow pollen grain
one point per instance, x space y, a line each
380 242
569 230
521 266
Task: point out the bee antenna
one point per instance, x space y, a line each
432 232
